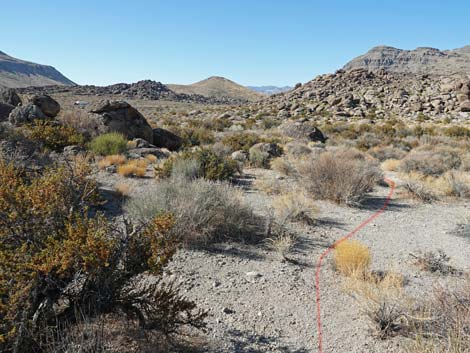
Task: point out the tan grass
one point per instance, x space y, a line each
151 158
390 165
136 167
351 257
295 206
123 189
115 159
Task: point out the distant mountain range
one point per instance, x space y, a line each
218 87
421 60
17 73
269 89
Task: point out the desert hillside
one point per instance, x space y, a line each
219 87
16 73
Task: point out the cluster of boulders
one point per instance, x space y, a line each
363 93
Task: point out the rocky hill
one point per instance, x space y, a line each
146 89
218 87
361 93
421 60
16 73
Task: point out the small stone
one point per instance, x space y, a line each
228 311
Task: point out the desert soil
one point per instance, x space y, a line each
259 303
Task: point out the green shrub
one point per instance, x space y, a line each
203 163
54 136
241 141
109 144
194 136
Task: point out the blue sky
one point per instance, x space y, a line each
253 42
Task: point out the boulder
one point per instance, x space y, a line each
47 105
465 106
120 116
166 139
239 156
25 114
9 96
303 130
160 153
5 110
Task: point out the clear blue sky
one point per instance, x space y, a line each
253 42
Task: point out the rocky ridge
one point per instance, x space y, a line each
362 93
146 89
421 60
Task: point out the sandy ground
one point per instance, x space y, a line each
257 303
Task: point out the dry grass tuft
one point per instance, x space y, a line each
282 166
295 207
136 167
151 158
115 159
351 257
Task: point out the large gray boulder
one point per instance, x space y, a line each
302 130
166 139
26 114
5 110
120 116
47 105
9 96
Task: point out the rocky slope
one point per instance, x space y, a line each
421 60
16 73
362 93
218 87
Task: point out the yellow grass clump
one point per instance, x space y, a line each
295 206
151 158
115 159
136 167
351 256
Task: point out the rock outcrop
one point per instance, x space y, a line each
120 116
9 96
166 139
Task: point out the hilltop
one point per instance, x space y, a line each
17 73
218 87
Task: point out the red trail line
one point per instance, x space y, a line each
327 251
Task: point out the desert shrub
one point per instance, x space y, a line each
294 207
339 177
54 136
297 149
434 161
282 165
388 152
457 131
108 144
56 257
204 211
194 136
203 163
419 191
350 256
259 158
241 141
435 262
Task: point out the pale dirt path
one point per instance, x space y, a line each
275 311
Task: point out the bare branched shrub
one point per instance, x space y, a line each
294 207
341 176
204 211
433 162
435 262
388 152
419 191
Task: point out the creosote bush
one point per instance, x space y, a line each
54 136
204 211
340 176
108 144
202 163
57 257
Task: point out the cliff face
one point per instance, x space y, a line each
420 60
